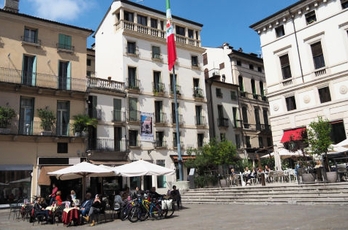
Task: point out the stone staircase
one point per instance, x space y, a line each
273 193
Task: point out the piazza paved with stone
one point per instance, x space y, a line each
209 216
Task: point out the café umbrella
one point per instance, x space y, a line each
142 168
82 170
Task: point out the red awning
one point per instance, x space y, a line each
293 135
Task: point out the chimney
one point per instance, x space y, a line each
11 5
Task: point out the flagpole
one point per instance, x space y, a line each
177 126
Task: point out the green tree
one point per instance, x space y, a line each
318 137
209 158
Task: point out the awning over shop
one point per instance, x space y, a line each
109 163
293 135
16 167
44 179
184 157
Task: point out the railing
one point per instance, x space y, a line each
9 75
111 145
178 89
31 40
200 120
104 84
160 144
126 25
118 116
133 116
160 117
198 92
180 117
320 72
222 122
238 124
158 87
133 84
134 143
65 47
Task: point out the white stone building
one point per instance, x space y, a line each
305 53
131 47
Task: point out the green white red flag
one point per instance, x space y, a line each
171 50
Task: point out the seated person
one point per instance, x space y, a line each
40 208
154 194
175 195
58 198
95 207
86 204
118 203
246 175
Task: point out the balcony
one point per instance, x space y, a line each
178 90
264 98
118 116
134 144
110 145
153 32
200 121
42 80
158 89
31 41
65 48
133 85
255 96
238 124
223 122
160 144
103 84
180 118
198 93
160 118
133 116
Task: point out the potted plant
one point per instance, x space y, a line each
47 120
6 115
82 122
319 142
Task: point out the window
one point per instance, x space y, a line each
269 141
29 70
142 20
235 115
261 142
30 35
285 65
199 117
190 33
223 78
240 82
175 142
251 66
118 139
89 61
245 117
161 180
259 69
261 88
160 139
318 57
200 140
194 61
133 138
173 113
290 103
156 52
157 85
218 92
265 117
133 109
344 4
222 65
26 116
324 94
233 95
132 78
239 63
253 88
222 136
237 136
62 147
205 59
92 107
131 48
154 23
180 30
257 118
159 116
338 132
310 17
63 114
279 31
247 141
64 42
64 79
128 16
117 110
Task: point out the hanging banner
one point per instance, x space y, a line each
146 127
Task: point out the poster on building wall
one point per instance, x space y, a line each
146 127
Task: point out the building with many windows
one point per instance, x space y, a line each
305 53
238 107
131 47
42 68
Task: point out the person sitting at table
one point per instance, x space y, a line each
96 205
59 198
246 174
266 171
86 205
40 208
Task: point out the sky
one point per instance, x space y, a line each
223 20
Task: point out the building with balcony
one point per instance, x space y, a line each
131 48
41 68
238 107
305 52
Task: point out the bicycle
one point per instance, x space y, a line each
124 213
143 209
168 207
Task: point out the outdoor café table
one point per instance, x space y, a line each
71 214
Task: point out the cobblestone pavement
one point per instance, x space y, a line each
205 216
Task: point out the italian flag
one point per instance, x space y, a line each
171 51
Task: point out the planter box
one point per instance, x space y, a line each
46 133
308 178
331 177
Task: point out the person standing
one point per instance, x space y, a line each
53 193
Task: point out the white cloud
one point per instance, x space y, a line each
60 10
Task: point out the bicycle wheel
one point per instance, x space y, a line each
169 211
124 213
133 215
157 212
144 214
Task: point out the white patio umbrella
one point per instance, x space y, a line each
343 143
82 170
284 153
142 168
